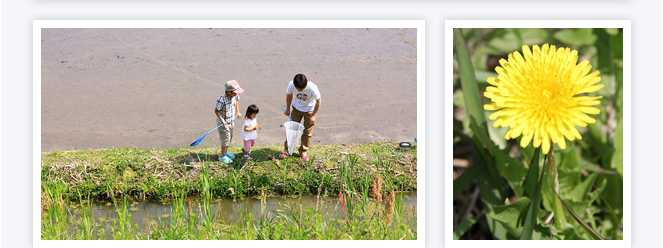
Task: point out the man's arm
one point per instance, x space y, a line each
288 102
315 110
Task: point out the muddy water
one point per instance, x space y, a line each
228 211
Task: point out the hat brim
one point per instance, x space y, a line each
239 90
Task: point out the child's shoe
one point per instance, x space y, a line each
283 155
226 160
247 157
229 155
305 157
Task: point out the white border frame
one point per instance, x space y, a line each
448 131
36 131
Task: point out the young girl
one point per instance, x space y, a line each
249 133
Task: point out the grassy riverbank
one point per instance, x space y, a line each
157 174
365 178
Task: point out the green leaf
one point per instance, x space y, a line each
528 151
468 80
464 180
496 134
548 192
618 98
595 234
618 45
617 162
576 36
482 76
512 215
490 197
580 191
612 31
464 226
513 39
481 139
513 171
533 185
532 181
570 161
611 211
604 53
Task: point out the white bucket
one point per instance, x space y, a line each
293 134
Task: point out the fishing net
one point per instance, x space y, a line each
293 135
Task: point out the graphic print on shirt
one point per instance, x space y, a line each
302 97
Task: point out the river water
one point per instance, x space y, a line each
228 211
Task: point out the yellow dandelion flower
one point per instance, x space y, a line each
539 95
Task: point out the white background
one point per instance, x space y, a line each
16 78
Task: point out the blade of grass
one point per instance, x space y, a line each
530 182
475 109
468 80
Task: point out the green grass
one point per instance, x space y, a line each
157 174
178 175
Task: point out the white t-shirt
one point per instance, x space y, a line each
304 100
250 123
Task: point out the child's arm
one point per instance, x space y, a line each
246 128
218 114
237 113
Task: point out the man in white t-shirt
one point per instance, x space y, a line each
306 106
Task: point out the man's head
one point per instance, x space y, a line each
300 81
232 88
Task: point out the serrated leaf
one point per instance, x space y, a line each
512 216
490 197
496 134
579 192
595 234
512 170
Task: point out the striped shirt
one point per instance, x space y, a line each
226 106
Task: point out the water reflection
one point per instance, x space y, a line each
229 211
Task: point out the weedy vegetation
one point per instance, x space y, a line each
193 180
